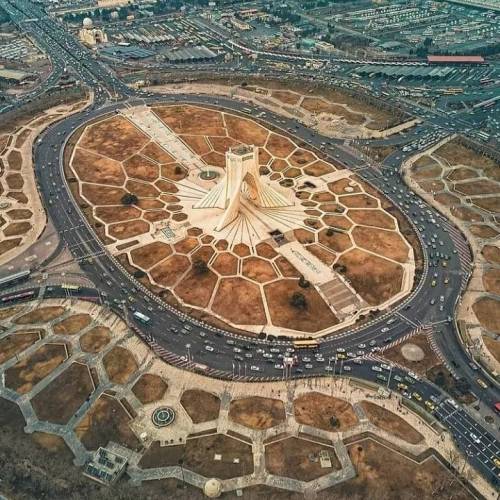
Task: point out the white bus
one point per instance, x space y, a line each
141 317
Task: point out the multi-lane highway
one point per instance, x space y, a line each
192 344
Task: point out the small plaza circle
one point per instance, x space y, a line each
163 416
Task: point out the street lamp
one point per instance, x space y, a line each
188 346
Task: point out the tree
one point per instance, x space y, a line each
334 421
303 283
298 300
129 199
200 267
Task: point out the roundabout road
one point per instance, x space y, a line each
170 332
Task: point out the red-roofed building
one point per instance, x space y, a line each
455 59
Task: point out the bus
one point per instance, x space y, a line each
453 91
486 81
18 296
70 288
305 344
15 278
142 318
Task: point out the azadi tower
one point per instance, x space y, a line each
242 179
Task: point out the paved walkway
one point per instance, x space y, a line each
180 381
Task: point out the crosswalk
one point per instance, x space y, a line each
463 249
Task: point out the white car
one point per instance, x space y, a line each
255 368
209 348
347 368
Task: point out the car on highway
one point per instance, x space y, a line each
209 348
417 396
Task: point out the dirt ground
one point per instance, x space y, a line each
8 312
258 270
386 243
493 346
90 167
119 364
115 137
376 218
25 374
385 474
491 254
58 402
248 309
147 256
72 324
374 278
106 421
15 343
185 119
149 388
291 457
201 406
256 412
198 455
390 422
95 339
487 311
279 146
316 316
316 410
40 315
457 154
491 281
421 367
245 131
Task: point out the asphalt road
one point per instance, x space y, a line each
187 341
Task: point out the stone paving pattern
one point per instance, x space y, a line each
111 414
466 186
341 222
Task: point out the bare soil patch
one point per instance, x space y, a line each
319 168
17 228
245 131
315 316
226 264
374 278
376 218
458 154
483 231
129 229
257 412
478 187
258 270
58 402
72 324
388 244
279 145
15 160
107 420
491 254
322 253
286 97
148 255
358 201
466 214
8 312
430 359
390 422
461 174
317 410
239 301
222 144
90 167
198 455
487 311
117 214
383 473
156 153
198 143
15 343
447 199
20 213
7 245
115 137
196 288
102 195
493 346
26 373
141 168
490 204
40 315
291 458
338 242
95 339
168 272
186 119
119 364
149 388
201 406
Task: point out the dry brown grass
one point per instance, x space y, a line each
316 410
257 412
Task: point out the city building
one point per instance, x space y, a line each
90 35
